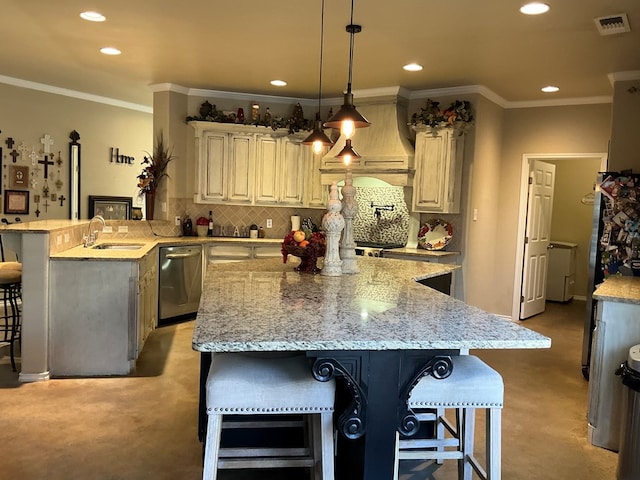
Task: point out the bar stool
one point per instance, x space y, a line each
472 385
246 385
10 320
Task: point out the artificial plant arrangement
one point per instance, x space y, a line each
155 166
458 115
294 123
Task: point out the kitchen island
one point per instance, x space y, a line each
617 329
376 329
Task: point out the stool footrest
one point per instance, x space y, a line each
429 455
229 464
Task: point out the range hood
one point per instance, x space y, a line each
384 148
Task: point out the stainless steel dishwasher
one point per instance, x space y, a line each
180 282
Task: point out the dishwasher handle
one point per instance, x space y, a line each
182 255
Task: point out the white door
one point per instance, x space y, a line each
537 238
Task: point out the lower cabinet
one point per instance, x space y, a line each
101 313
235 253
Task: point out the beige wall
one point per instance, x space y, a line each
570 129
625 133
572 219
26 115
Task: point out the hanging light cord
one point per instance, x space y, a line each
351 30
321 53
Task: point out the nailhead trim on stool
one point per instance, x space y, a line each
472 384
241 384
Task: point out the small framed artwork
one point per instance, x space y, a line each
18 177
16 202
110 208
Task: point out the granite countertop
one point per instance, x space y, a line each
264 305
421 252
625 289
148 243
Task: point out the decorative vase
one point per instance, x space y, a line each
149 204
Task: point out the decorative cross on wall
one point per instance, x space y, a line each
14 154
62 198
46 162
46 141
9 141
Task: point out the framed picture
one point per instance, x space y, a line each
16 202
18 176
110 208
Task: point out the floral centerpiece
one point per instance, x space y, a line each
306 245
153 171
458 115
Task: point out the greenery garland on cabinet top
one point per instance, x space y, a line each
294 123
458 115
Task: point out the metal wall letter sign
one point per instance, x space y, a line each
115 157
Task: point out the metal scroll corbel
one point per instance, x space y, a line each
438 367
351 422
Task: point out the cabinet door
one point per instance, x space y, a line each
317 194
266 170
438 175
213 166
292 172
239 181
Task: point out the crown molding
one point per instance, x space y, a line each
41 87
624 76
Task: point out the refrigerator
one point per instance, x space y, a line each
615 242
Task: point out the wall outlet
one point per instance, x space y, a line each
58 240
177 221
164 206
269 223
107 229
123 229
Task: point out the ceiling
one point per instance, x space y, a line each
240 46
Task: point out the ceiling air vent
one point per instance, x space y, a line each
613 24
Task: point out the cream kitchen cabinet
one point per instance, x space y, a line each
247 165
438 176
316 194
280 170
224 166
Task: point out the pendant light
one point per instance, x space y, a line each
348 118
318 139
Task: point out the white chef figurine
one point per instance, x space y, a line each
332 223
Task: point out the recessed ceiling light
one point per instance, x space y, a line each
278 83
110 51
534 8
93 16
412 67
550 89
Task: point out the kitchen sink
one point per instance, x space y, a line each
118 246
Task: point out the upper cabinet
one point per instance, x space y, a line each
248 165
438 176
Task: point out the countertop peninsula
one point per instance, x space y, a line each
625 289
264 305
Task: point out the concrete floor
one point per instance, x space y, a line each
144 426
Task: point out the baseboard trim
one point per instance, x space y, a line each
33 377
582 298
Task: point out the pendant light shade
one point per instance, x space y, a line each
347 113
317 138
348 118
347 153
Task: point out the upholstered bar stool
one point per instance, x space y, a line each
472 385
277 387
10 320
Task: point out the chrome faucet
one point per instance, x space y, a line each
91 238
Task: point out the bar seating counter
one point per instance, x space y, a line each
377 330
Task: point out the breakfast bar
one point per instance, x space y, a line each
377 329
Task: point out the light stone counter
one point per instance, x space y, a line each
264 305
420 252
623 289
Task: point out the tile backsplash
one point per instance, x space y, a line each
390 224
